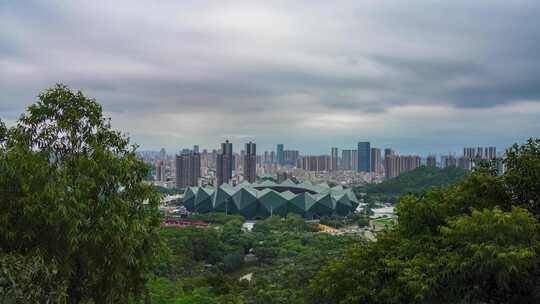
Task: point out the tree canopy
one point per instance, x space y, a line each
72 195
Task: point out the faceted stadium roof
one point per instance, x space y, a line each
260 200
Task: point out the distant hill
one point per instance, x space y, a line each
418 180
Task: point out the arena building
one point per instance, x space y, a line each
260 200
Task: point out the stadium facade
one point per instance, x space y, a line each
260 200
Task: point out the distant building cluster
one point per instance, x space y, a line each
195 167
395 164
471 157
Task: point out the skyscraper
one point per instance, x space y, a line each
431 161
364 157
188 169
280 155
465 163
388 152
291 156
354 160
316 163
224 163
250 162
346 159
448 161
394 164
334 159
491 152
272 157
375 160
480 153
469 153
160 170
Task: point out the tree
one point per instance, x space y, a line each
523 174
27 279
490 256
72 193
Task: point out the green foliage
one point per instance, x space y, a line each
288 253
27 279
469 243
296 258
198 296
292 223
163 291
523 175
167 191
417 180
72 190
489 256
216 217
337 221
3 132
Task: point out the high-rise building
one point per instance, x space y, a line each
334 159
280 154
188 169
346 160
448 161
291 156
213 158
431 161
224 163
238 160
491 152
250 162
394 164
354 160
388 152
364 157
391 166
196 148
272 157
376 160
160 170
316 163
480 153
465 163
469 153
162 153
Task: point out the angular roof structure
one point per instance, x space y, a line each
260 200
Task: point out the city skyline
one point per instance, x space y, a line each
240 147
430 78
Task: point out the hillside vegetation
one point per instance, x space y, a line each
418 180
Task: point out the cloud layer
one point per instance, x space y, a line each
420 76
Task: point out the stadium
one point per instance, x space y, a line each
260 200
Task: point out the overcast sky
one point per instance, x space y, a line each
418 76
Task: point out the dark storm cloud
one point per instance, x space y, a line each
281 70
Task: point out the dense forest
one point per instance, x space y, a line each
79 225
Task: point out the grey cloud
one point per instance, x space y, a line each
272 66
